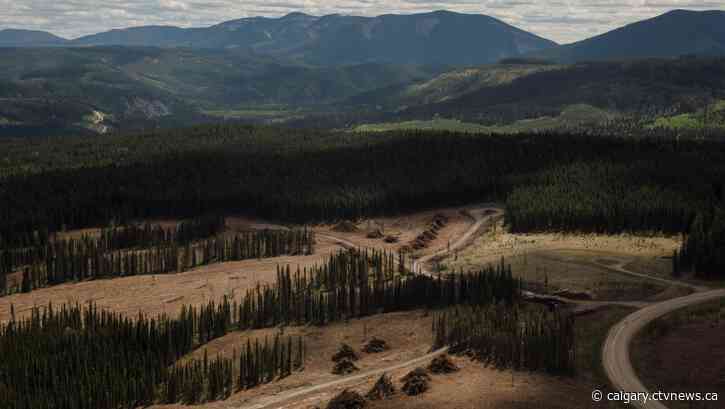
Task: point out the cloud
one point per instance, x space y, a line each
560 20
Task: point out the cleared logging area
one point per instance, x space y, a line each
132 251
57 342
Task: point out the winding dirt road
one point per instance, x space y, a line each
616 349
482 215
615 356
274 401
619 268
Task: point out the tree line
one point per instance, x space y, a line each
516 337
203 380
88 258
149 235
703 250
608 197
84 357
578 180
354 284
301 176
30 246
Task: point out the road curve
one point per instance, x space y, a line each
616 349
276 400
419 265
619 268
479 221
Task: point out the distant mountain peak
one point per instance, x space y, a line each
24 38
20 31
672 34
443 12
296 14
676 12
437 38
679 11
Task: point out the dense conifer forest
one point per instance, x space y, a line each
583 181
645 87
510 337
632 147
548 181
703 250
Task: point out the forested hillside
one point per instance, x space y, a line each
197 215
648 89
673 34
342 71
47 91
32 38
531 95
550 181
102 89
449 85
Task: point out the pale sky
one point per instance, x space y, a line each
559 20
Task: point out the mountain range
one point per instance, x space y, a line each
673 34
390 67
441 37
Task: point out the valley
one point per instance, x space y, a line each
397 77
355 207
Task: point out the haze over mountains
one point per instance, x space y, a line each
440 37
406 66
432 38
113 87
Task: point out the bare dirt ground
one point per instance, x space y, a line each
474 387
408 334
478 387
577 263
153 295
684 352
158 294
406 229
